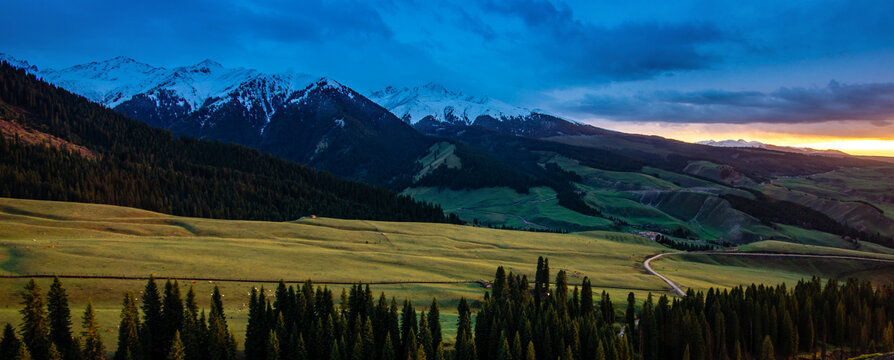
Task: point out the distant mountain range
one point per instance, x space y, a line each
759 145
433 109
311 120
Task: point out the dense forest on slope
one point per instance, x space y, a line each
148 168
515 322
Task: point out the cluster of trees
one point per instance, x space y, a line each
769 211
303 323
515 322
46 329
767 322
683 245
141 166
170 327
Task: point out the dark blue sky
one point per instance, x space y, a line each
810 63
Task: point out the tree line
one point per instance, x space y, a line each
148 168
516 321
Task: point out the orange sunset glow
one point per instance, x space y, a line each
863 140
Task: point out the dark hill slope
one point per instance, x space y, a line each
148 168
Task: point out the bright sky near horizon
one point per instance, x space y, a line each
800 73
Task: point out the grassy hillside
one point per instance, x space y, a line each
43 237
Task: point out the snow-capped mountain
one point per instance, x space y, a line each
759 145
414 104
311 120
433 109
732 143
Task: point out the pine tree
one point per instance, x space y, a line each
425 338
60 318
256 330
153 323
687 355
434 323
177 351
587 306
193 335
273 351
93 348
171 312
388 349
23 353
9 345
503 352
34 329
630 316
407 326
531 353
301 349
888 337
128 330
220 343
54 352
767 351
420 353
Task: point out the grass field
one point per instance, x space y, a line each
69 238
41 237
703 271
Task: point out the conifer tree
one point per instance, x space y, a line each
503 352
172 312
60 319
153 323
425 338
34 329
273 351
434 323
177 351
607 309
465 346
93 347
420 353
531 353
54 352
767 351
193 335
128 330
630 316
888 337
23 353
301 349
9 345
408 326
388 349
256 330
587 306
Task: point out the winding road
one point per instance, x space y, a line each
677 290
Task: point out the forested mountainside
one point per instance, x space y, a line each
141 166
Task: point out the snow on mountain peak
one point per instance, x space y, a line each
442 104
22 64
733 143
114 81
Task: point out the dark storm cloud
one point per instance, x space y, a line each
582 52
870 103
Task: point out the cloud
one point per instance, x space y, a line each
552 38
872 103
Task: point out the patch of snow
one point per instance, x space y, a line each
733 143
414 104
